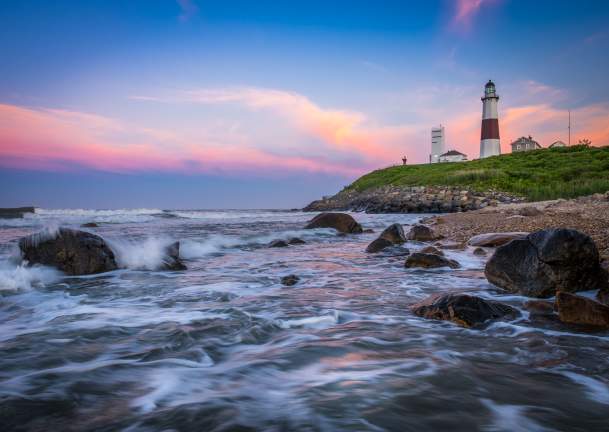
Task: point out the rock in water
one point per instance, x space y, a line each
71 251
495 239
296 241
378 245
394 233
290 280
545 262
172 258
424 260
89 225
341 222
421 233
462 309
479 251
431 250
574 309
278 243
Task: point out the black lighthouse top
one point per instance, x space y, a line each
489 90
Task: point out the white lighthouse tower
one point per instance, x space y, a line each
489 135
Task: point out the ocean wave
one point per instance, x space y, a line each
147 254
15 278
191 249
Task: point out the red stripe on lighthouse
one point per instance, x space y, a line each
490 129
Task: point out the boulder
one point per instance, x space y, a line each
539 307
296 241
421 233
368 231
341 222
574 309
495 239
479 251
451 245
290 280
545 262
71 251
463 309
425 260
278 243
529 211
431 250
172 261
378 245
394 233
89 225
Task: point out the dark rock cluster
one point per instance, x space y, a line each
411 199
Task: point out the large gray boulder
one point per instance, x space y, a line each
545 262
71 251
463 309
341 222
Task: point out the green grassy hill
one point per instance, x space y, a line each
537 175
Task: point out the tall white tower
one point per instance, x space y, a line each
489 135
437 144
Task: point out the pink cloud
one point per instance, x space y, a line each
298 135
465 12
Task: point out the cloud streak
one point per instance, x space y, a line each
274 132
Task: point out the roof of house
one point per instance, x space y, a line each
526 140
452 153
558 143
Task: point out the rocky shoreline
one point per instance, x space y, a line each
412 199
589 215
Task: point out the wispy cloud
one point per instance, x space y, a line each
188 9
465 12
273 132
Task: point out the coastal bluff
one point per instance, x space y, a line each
454 187
411 199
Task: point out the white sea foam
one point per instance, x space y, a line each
20 278
148 254
596 390
510 418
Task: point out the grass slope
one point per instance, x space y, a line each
537 175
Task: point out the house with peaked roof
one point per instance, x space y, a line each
452 156
525 144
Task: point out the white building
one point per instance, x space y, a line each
525 144
452 156
437 144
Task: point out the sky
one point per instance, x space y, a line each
266 104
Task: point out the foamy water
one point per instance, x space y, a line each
224 346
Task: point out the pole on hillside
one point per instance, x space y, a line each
569 127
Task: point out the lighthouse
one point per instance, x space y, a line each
489 134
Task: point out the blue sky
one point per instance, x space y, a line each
197 104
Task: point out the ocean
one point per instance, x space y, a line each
224 346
